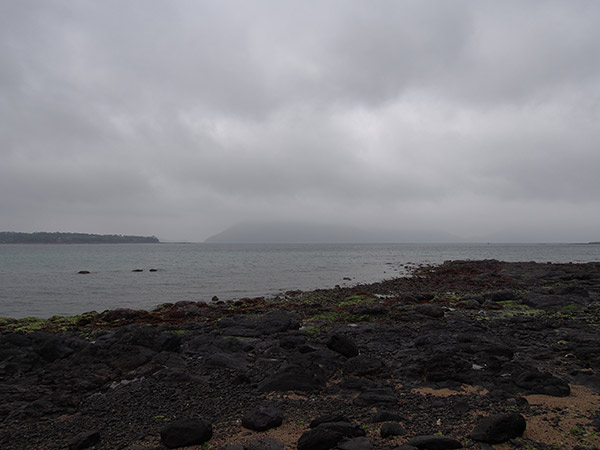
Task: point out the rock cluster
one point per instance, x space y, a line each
189 373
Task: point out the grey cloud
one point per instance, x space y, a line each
198 114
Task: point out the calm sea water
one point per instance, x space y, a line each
42 280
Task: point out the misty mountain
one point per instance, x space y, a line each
303 233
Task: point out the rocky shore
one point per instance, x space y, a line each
468 354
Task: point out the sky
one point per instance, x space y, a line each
182 118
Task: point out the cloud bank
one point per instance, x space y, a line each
183 118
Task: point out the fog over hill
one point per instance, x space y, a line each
310 233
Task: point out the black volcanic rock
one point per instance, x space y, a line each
185 432
85 440
536 382
434 443
499 428
262 418
343 345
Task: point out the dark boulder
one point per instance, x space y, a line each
327 435
185 432
448 365
437 312
345 429
499 428
277 321
536 382
318 439
342 345
303 372
434 443
85 440
392 429
262 418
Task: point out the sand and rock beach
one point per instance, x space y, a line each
467 354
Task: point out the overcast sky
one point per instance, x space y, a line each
182 118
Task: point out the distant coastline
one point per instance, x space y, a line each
12 237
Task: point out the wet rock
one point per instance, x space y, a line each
536 382
499 428
85 440
262 418
186 432
342 345
233 447
392 429
434 443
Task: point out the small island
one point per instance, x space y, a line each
12 237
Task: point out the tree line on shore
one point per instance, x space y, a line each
11 237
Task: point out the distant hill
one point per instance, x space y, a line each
297 233
11 237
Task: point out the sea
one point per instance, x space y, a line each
44 280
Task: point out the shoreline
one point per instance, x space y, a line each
438 349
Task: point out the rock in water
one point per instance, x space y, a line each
499 428
184 432
262 418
